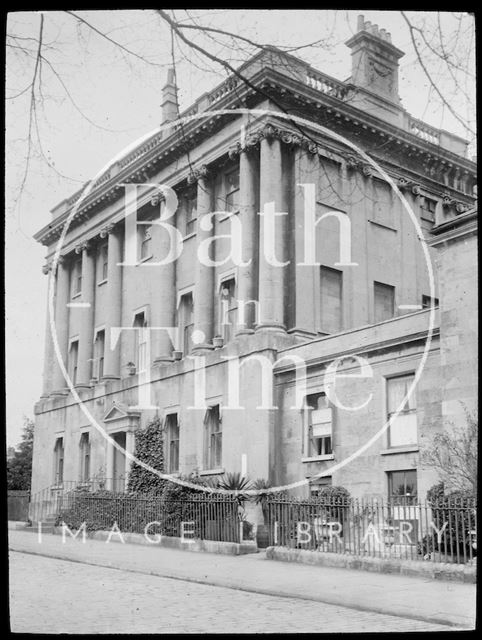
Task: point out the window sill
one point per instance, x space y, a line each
102 282
407 449
211 472
326 456
189 236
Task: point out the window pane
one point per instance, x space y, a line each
402 486
331 300
232 191
403 430
384 301
397 389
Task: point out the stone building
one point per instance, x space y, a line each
337 285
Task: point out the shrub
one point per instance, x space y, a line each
458 510
150 450
336 502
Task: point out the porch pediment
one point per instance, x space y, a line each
119 417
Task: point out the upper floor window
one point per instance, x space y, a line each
76 277
99 349
229 308
145 241
172 433
384 300
331 289
102 263
84 457
188 209
73 360
186 322
141 342
403 426
317 426
231 183
427 209
213 444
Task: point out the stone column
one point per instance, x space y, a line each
271 277
109 464
114 300
164 302
130 446
204 279
48 347
246 285
59 384
86 335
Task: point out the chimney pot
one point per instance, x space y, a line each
360 23
375 68
389 37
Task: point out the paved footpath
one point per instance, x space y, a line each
406 597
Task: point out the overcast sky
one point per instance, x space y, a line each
114 98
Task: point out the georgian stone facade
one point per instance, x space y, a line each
375 305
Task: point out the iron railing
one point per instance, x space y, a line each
444 532
205 517
44 504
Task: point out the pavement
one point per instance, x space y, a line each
408 599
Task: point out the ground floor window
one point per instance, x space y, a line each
84 457
317 485
59 461
172 433
402 487
213 438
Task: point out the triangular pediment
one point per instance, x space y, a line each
117 411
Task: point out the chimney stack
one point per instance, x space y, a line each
374 61
169 105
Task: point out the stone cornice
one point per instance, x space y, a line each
162 149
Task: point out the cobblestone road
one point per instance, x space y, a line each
56 596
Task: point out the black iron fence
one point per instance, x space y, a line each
444 531
205 517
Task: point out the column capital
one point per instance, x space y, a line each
47 267
83 246
106 230
199 173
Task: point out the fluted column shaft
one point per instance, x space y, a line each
271 277
48 347
246 285
86 334
114 301
164 302
204 279
59 384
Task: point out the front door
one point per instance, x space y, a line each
118 478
